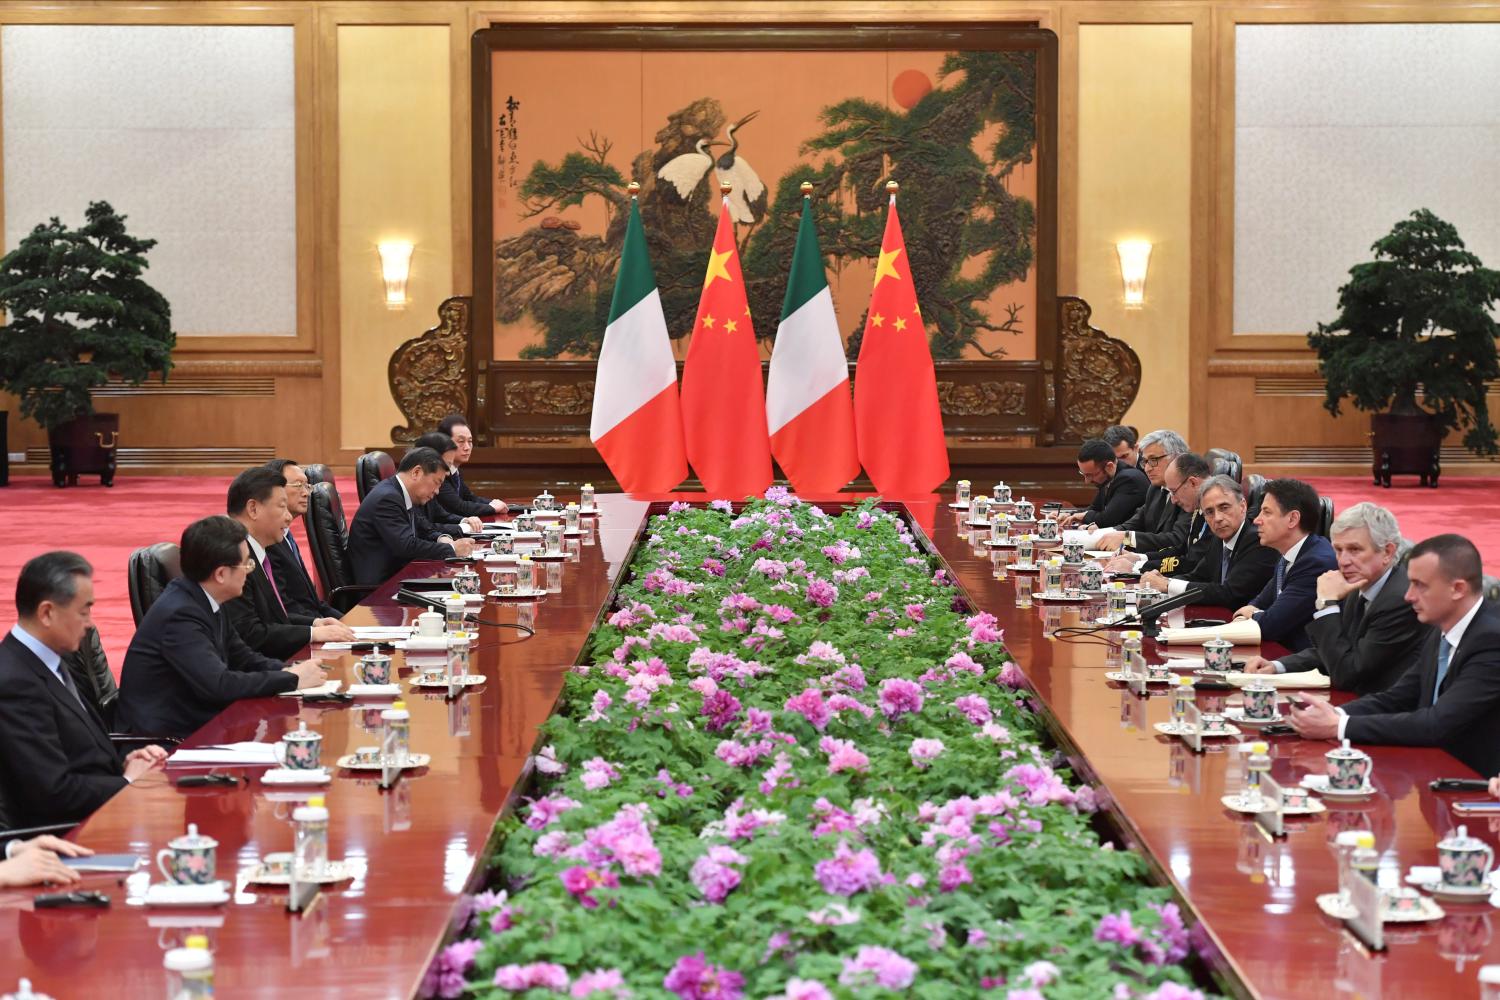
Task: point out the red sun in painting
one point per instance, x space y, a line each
909 87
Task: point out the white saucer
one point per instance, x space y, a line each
1238 715
1330 904
1457 894
519 595
327 687
468 680
1319 783
958 506
1239 805
1172 729
588 511
287 776
173 894
1053 595
1115 623
413 760
548 556
374 690
1020 567
334 871
1116 675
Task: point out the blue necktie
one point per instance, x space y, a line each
1280 575
1443 653
291 541
458 482
1224 566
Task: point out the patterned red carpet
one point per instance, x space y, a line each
105 525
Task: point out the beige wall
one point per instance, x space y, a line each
1134 181
394 183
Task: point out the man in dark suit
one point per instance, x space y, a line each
387 533
294 582
1121 489
1449 697
1364 635
57 763
1122 439
1171 552
257 500
1159 514
186 662
1285 606
1235 566
455 494
436 512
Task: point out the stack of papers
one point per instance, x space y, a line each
1242 633
1304 679
246 754
376 633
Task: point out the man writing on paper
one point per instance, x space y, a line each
1363 634
57 763
1121 488
1285 606
1159 515
1183 479
1448 698
1235 567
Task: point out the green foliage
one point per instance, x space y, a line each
80 312
716 603
1416 315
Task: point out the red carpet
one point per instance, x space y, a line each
105 525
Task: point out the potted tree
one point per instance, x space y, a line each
1415 317
80 312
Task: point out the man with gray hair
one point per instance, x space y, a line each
1235 566
1363 634
1158 516
57 763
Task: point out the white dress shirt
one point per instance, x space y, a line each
1367 595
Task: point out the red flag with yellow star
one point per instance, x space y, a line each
723 395
898 425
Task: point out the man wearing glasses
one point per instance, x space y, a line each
1121 489
1183 478
287 562
186 663
1160 522
455 495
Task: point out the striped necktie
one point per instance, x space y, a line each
1444 653
1281 565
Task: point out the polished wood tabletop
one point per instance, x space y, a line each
1256 897
414 848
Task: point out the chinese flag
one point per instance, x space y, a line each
723 397
898 425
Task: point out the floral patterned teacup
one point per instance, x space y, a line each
374 668
1001 493
1260 701
466 581
1348 768
188 860
1072 552
1465 861
300 750
1046 529
1216 655
1090 576
1294 797
503 546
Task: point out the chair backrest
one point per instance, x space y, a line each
317 473
1226 463
148 573
1255 492
90 670
1325 516
370 469
328 535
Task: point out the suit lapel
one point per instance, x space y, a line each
62 695
264 599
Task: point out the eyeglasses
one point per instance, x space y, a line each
248 565
1172 490
1152 459
304 487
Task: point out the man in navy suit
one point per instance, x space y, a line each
186 662
1449 696
261 614
57 763
295 582
1287 517
440 514
455 494
388 531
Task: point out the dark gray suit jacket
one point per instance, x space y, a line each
297 588
1250 566
1463 722
1372 656
57 763
1157 514
386 536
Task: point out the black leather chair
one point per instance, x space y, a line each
1255 492
1226 463
317 473
370 469
328 536
149 571
90 669
1325 516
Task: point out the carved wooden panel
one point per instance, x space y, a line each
1098 375
429 374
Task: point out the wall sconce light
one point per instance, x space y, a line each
1134 256
395 268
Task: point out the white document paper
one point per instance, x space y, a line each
231 753
1242 633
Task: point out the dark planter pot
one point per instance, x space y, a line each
85 445
1406 444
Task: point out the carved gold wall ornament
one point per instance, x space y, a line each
428 374
982 399
569 399
1099 376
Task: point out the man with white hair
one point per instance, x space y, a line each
1160 520
1363 634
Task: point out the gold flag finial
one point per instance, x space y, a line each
724 189
892 187
807 189
634 187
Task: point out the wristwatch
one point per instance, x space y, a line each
1324 603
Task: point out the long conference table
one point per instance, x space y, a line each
415 849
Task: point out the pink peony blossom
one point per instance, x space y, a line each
1172 991
811 706
803 989
843 755
975 707
899 697
598 773
713 875
1040 973
1117 927
609 982
581 882
445 977
694 978
848 871
925 751
537 975
872 966
820 593
1011 676
721 709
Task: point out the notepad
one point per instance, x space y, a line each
1301 679
248 754
1242 633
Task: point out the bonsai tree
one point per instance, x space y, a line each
79 312
1416 315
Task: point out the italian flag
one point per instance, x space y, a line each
723 395
808 410
896 412
637 419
